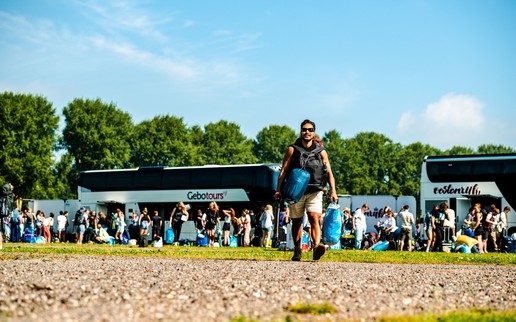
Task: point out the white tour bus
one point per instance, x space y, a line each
462 181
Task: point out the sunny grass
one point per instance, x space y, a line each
300 312
257 253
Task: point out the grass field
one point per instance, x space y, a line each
253 253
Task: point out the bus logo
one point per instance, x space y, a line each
201 196
464 190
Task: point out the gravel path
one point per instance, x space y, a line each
89 288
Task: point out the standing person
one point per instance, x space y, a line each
450 219
495 233
503 219
429 230
200 221
144 222
6 207
477 228
266 220
80 221
467 222
177 217
62 222
15 226
311 202
487 224
246 227
438 216
407 221
226 226
236 224
360 225
284 220
120 225
212 221
45 228
157 224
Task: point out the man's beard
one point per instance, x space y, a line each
306 140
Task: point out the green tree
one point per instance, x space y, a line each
272 142
65 176
196 146
367 164
408 161
494 149
336 147
96 135
27 140
162 141
459 150
224 144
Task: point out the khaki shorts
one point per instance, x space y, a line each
311 202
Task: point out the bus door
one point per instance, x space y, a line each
461 210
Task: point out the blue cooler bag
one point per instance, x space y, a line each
295 186
332 225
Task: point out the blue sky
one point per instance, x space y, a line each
438 72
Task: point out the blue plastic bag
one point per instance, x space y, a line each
233 241
125 237
295 186
169 236
202 239
332 225
381 246
40 240
468 232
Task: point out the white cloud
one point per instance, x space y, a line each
175 69
454 120
128 16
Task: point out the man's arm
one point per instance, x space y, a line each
284 169
331 178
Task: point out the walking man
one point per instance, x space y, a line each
311 202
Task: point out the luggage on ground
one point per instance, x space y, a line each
332 225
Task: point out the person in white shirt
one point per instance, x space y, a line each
407 221
359 224
62 221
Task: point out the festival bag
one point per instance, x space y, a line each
295 186
332 225
169 236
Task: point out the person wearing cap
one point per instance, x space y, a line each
311 202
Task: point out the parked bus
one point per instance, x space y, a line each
464 180
160 188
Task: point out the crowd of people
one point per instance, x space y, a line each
487 225
224 227
89 226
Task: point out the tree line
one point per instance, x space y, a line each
44 163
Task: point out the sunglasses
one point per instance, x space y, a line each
307 129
